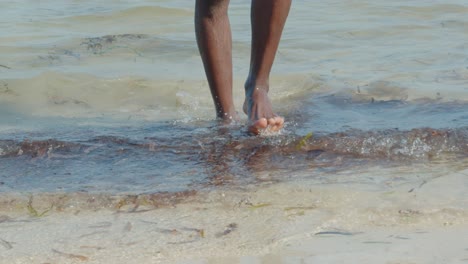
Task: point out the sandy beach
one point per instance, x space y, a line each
110 151
279 223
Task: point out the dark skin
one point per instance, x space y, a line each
214 41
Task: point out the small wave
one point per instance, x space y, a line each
437 9
180 157
417 143
84 95
386 144
155 13
39 148
98 45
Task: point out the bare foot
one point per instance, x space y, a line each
257 106
229 118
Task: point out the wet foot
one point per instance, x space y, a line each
257 106
229 118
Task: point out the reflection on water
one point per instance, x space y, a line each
341 111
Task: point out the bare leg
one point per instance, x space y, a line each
268 19
215 43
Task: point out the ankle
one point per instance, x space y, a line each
229 114
251 86
228 118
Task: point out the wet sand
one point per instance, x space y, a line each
109 152
289 222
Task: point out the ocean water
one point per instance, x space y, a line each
111 97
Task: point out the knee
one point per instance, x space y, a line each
211 8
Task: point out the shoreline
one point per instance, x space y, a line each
288 221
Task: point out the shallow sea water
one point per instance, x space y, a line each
105 106
110 99
100 80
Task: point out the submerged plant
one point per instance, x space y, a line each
303 141
32 211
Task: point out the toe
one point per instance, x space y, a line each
277 123
262 123
271 121
258 126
